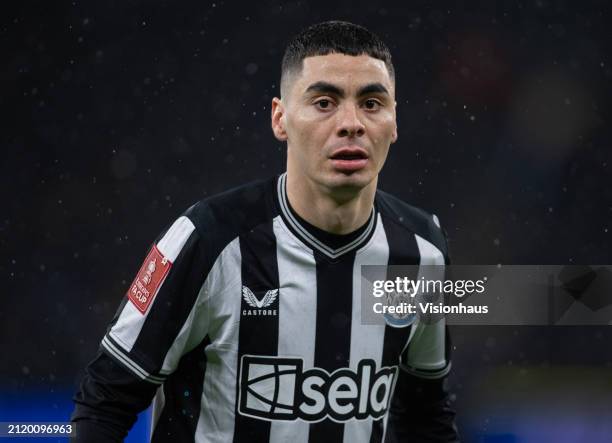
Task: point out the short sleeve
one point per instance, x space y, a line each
158 320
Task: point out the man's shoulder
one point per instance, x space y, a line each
234 210
411 218
405 214
216 221
199 236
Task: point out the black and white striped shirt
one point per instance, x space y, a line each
244 324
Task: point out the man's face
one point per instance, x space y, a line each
338 118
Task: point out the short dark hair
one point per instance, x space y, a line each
334 37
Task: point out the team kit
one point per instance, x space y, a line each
268 326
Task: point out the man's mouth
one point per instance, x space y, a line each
349 154
349 159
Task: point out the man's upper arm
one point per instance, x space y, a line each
153 328
421 409
155 324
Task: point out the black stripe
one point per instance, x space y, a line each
171 307
403 250
258 334
183 393
333 329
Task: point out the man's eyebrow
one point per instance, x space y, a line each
372 88
326 88
329 88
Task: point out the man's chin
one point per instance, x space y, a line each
351 183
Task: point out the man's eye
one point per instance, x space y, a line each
371 104
323 104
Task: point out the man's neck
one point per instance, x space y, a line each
332 213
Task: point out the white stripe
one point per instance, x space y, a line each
191 334
430 254
427 348
428 375
139 372
131 365
216 421
129 324
193 330
297 317
436 220
173 241
366 340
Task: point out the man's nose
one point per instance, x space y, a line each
349 124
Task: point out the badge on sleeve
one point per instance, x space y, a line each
149 279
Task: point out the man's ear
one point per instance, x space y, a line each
394 133
278 119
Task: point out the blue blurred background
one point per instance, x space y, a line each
52 405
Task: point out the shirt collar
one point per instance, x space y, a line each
315 238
